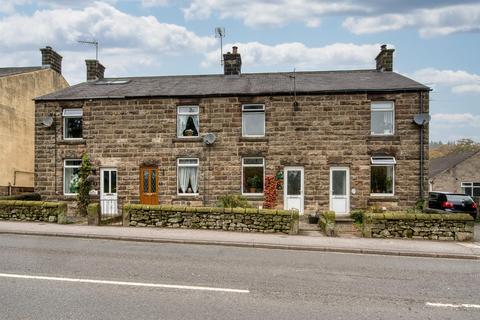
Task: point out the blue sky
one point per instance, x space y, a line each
436 42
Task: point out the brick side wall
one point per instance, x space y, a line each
323 131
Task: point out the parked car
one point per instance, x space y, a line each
452 202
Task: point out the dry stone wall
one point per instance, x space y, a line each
17 210
228 219
459 227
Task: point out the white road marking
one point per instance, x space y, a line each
474 245
451 305
122 283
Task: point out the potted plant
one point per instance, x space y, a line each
188 133
254 183
313 218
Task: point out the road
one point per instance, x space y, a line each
65 278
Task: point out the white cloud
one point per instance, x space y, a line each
154 3
456 118
295 54
460 81
271 13
430 22
121 36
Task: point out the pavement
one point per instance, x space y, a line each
398 247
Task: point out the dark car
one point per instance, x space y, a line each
452 202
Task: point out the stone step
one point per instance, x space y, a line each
311 233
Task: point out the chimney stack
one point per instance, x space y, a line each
95 70
51 59
385 59
232 62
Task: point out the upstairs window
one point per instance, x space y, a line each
382 118
70 176
72 124
187 176
253 175
188 121
253 120
382 176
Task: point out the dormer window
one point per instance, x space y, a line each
188 121
72 124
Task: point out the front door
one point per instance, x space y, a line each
148 185
293 190
339 190
108 191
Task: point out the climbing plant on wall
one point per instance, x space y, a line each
270 191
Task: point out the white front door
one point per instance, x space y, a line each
340 190
293 189
108 191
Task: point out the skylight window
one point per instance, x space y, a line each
112 81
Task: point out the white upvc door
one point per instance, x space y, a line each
108 191
294 188
340 190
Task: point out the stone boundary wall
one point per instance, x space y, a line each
457 227
228 219
18 210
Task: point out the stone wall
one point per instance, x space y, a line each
459 227
451 180
228 219
17 210
328 130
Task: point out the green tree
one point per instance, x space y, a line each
84 185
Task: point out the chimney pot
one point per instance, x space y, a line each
51 59
95 70
384 59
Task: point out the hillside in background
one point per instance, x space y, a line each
440 149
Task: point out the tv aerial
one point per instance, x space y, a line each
93 43
220 33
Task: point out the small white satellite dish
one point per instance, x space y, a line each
209 138
47 121
421 119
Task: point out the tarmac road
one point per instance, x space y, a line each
67 278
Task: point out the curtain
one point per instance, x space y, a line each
388 122
181 125
194 179
196 122
183 178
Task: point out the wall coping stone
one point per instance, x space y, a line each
417 216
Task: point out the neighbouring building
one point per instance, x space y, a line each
18 87
340 140
458 172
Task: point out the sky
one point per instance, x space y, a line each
437 42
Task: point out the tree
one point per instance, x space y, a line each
84 185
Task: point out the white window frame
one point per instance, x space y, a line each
262 110
391 108
197 165
384 161
65 166
469 185
257 166
74 113
188 114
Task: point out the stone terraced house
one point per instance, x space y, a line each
339 140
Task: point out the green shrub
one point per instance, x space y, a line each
84 185
233 201
357 216
25 196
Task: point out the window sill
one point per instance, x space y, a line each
192 197
253 196
390 137
253 139
383 198
188 139
71 141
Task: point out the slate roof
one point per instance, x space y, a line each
246 84
17 70
439 165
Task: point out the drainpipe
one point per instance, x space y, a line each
421 149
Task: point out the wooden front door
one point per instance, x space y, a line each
148 185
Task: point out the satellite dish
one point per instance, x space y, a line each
209 138
47 121
421 119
